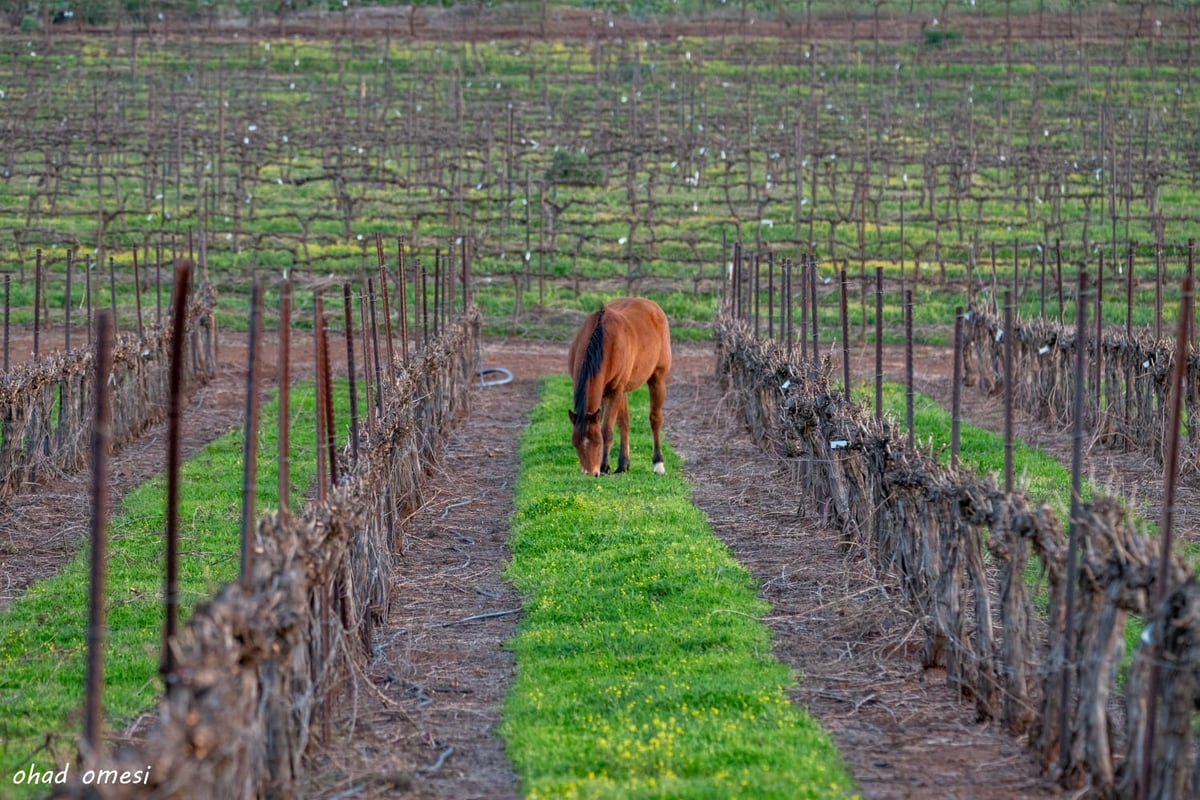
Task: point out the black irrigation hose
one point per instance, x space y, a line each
507 376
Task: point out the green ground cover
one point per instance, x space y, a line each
642 670
608 166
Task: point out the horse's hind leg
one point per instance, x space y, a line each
658 395
622 401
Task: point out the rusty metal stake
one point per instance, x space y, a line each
320 399
756 292
908 364
250 441
87 293
7 313
812 275
1158 287
93 719
330 424
437 292
771 296
1042 289
956 388
1058 277
37 303
804 305
1008 392
1099 370
183 277
1129 295
67 301
375 349
736 279
466 275
285 345
879 344
366 349
387 310
402 283
845 336
424 304
157 283
1081 329
137 295
349 322
1170 481
787 304
112 288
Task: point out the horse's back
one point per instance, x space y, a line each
645 324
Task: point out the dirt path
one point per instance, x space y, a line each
421 722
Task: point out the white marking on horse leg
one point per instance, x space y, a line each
660 469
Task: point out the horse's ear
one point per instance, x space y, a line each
593 417
571 414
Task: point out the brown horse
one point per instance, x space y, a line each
617 349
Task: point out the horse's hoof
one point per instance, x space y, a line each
660 468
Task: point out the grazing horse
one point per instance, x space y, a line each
617 349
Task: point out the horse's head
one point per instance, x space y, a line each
589 444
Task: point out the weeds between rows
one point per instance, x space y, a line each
642 670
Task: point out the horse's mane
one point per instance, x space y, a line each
589 366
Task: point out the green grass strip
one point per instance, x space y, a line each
642 668
43 634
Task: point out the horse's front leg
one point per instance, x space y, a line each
622 403
606 433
